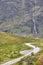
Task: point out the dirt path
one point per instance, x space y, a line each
25 53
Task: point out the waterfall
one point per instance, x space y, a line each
34 21
23 4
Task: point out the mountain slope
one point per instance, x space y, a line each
16 16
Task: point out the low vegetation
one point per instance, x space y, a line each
10 46
36 59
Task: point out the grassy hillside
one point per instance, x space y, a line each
10 46
36 59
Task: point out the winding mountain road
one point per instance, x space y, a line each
25 53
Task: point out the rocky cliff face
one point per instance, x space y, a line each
16 16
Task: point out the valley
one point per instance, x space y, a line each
11 45
21 32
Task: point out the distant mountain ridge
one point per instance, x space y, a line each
16 16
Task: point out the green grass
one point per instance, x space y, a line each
10 46
37 59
